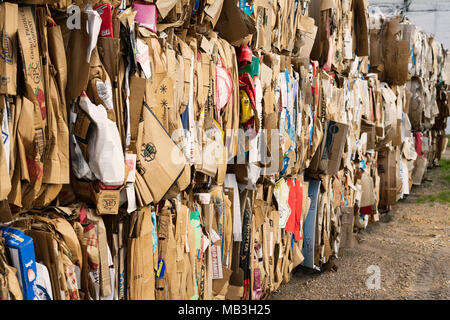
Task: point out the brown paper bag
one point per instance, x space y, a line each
56 166
110 53
77 66
13 283
141 277
9 283
166 274
8 50
28 42
43 242
180 237
70 238
105 284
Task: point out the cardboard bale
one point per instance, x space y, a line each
389 171
182 186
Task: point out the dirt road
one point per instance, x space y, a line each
409 246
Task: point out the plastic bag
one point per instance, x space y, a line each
106 158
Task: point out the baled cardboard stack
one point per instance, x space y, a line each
204 149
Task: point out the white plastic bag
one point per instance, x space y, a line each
106 158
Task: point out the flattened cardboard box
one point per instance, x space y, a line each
234 24
347 236
388 169
332 147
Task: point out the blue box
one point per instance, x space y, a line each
21 250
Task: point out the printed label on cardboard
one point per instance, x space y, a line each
161 269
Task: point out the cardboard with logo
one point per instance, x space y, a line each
159 161
34 92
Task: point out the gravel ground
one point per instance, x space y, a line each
410 245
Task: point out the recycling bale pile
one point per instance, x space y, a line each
181 149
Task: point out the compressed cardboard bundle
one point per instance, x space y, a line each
399 50
205 149
342 34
